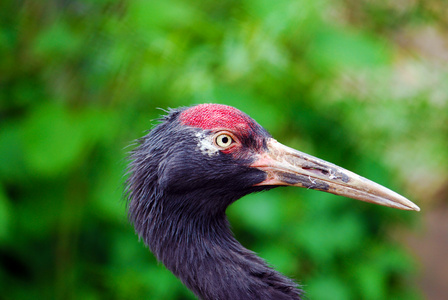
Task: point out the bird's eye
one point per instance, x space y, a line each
223 140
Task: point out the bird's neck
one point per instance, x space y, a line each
201 250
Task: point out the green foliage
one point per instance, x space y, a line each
80 80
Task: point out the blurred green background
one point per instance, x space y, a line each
362 84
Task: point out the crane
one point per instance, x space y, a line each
197 161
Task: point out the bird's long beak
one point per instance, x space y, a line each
287 166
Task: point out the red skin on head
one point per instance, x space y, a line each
217 117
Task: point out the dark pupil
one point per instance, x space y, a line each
225 140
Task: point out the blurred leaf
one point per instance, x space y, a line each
107 187
324 233
57 41
281 258
5 216
335 49
11 150
372 280
327 288
260 212
158 13
52 140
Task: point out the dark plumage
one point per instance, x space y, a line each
191 167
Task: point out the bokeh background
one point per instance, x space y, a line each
362 84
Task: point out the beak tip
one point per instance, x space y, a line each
411 206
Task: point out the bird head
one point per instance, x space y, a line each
210 155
